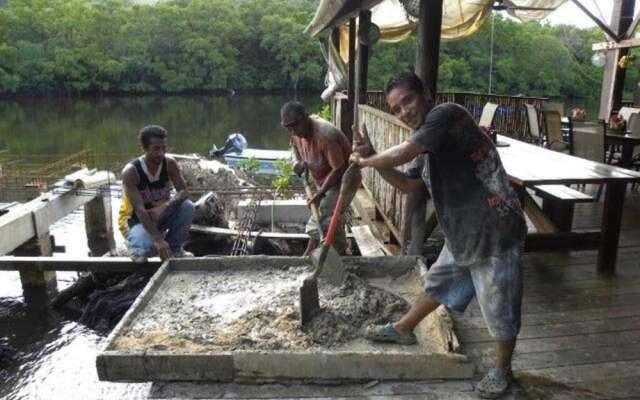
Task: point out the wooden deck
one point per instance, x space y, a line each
579 329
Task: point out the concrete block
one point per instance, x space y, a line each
284 211
167 366
350 365
121 367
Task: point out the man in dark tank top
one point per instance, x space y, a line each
152 221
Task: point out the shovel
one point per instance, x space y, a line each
326 260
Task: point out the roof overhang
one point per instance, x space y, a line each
335 13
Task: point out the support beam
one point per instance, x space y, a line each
98 223
32 280
613 77
428 51
363 55
351 84
100 264
598 21
623 44
33 219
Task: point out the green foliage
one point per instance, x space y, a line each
282 184
249 165
325 112
109 46
115 46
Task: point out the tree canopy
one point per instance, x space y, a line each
115 46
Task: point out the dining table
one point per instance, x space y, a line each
627 142
529 165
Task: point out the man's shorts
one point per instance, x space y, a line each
496 281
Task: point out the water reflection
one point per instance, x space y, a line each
110 125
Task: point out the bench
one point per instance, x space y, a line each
558 202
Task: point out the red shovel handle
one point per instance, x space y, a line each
335 218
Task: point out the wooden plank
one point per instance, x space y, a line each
585 341
536 216
552 317
587 372
112 264
562 193
24 222
214 230
611 45
473 335
367 243
553 305
563 241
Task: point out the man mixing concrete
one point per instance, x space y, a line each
479 213
148 211
325 151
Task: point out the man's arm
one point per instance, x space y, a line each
364 149
130 182
400 180
390 158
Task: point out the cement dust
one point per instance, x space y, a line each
254 309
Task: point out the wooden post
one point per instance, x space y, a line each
363 55
99 226
351 84
37 286
611 219
428 43
613 77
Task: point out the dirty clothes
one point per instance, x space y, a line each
496 281
323 151
479 212
325 209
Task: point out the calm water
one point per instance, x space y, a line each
109 126
55 356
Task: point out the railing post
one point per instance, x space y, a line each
37 285
99 225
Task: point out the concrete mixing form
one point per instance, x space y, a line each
231 318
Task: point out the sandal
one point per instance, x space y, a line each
494 384
387 333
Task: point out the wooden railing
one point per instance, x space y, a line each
510 119
385 131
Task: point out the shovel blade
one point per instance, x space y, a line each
331 267
309 300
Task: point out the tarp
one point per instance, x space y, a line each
460 18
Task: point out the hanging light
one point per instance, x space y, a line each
598 59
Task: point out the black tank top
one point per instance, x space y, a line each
154 193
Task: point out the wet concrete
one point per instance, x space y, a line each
198 311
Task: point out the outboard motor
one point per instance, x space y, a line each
235 142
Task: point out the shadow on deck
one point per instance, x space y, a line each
580 335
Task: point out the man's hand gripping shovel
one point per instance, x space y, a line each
326 260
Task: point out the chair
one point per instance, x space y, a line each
488 114
567 123
633 124
555 137
534 124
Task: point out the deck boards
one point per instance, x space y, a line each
578 329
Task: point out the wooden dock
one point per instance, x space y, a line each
581 331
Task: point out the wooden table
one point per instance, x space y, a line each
528 165
628 142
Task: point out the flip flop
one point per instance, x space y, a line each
387 333
494 384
